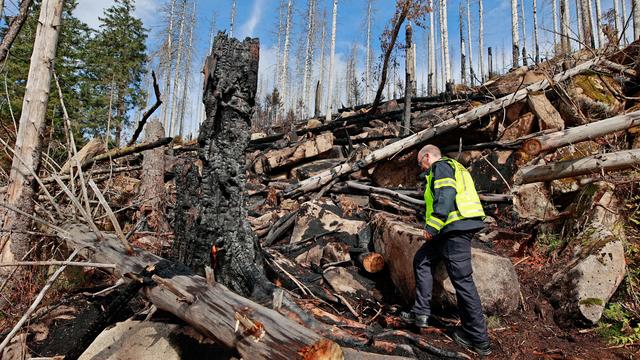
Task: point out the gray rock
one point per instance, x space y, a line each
580 291
494 276
150 340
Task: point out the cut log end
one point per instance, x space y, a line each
322 350
532 147
371 262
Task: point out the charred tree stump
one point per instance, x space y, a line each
214 207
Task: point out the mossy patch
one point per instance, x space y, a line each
592 302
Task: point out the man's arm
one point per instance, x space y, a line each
444 197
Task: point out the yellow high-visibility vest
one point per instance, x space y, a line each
467 200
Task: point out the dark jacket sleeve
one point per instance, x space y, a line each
444 194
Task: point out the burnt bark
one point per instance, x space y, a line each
211 215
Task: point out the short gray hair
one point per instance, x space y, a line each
431 150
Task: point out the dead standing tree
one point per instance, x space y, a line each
28 146
415 10
211 223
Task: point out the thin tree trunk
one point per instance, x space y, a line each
367 69
515 34
233 17
13 28
285 58
601 40
579 20
616 19
635 7
332 55
587 33
481 41
590 13
443 79
276 77
564 19
463 57
322 58
168 68
625 27
445 45
471 73
308 60
524 35
409 80
176 96
432 79
556 30
535 31
28 144
187 73
490 64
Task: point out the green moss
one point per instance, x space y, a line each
592 302
594 90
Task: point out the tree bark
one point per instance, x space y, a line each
28 145
169 67
212 309
535 32
588 165
536 145
332 53
14 28
211 223
564 19
587 33
635 7
601 40
445 42
175 99
515 34
472 74
556 29
325 177
432 78
409 81
152 181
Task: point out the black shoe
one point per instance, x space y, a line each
407 317
483 348
422 321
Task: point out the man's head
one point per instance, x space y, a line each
427 156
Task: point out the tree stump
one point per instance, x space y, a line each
211 224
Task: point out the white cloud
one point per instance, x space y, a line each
249 26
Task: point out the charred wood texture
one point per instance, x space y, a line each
211 223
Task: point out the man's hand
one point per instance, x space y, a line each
427 235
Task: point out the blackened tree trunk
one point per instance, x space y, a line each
211 225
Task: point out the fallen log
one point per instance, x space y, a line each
254 330
554 140
588 165
325 177
393 194
548 116
127 150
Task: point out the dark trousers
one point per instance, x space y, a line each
454 248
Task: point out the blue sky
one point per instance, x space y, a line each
258 18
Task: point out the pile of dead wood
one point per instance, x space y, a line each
299 255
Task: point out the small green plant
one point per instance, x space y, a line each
551 241
618 327
494 322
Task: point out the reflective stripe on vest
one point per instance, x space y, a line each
467 200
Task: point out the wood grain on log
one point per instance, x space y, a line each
548 116
588 165
536 145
